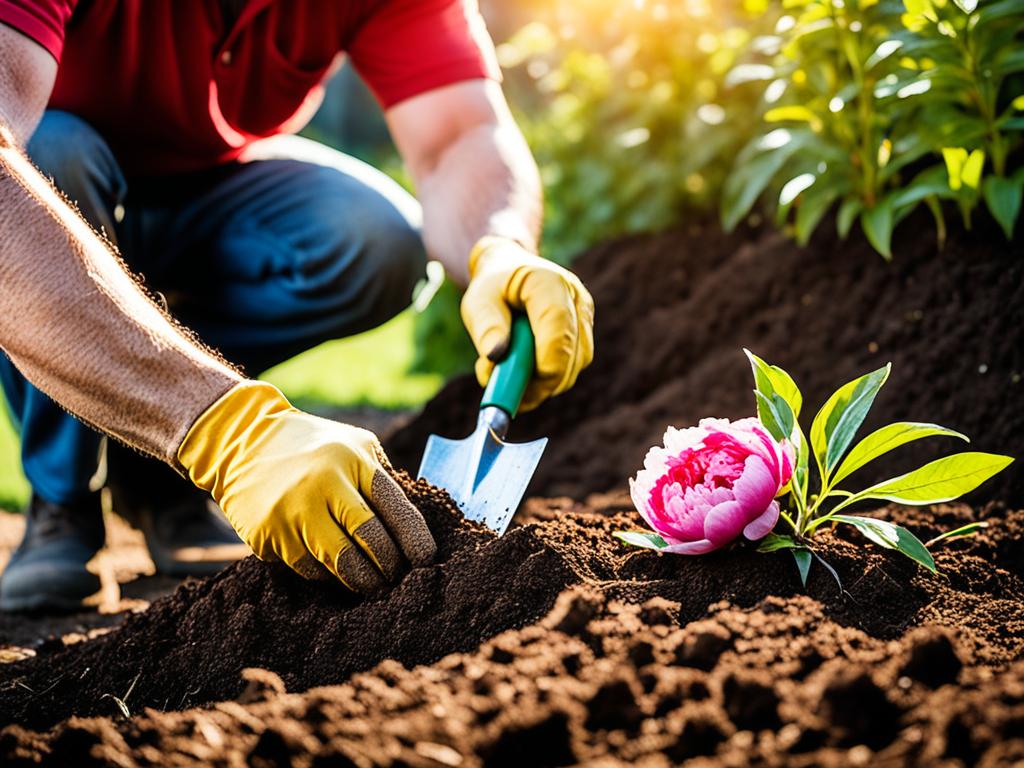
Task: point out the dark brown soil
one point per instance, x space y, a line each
555 645
638 656
675 311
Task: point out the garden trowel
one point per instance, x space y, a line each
486 476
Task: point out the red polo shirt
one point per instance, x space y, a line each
174 87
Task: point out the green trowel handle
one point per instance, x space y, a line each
509 379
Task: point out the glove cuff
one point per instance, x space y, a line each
485 246
223 431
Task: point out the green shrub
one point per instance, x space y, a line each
882 106
628 111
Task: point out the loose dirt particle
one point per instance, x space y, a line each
536 648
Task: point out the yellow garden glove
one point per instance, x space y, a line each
504 276
305 490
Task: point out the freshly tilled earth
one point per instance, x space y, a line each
555 644
567 650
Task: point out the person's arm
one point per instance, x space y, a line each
474 173
311 492
72 320
482 209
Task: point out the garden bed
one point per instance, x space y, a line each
555 644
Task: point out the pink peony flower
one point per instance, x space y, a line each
712 482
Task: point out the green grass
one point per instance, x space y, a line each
13 488
372 369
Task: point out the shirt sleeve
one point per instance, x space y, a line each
408 47
41 20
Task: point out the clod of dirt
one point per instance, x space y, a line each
614 706
573 611
862 711
750 701
932 658
545 742
660 612
702 645
674 311
556 645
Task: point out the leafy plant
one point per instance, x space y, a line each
628 111
969 53
836 457
864 93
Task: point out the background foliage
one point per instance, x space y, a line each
644 114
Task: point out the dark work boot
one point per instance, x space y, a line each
185 532
47 571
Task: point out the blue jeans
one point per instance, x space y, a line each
293 245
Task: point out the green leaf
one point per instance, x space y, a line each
884 50
993 11
877 224
644 539
836 424
971 174
885 439
803 563
795 113
755 167
775 415
812 207
792 188
848 213
928 183
964 169
1003 197
941 480
830 569
801 476
957 533
776 541
891 536
770 379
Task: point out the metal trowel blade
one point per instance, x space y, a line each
485 476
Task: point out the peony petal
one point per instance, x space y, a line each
724 522
719 495
691 547
683 519
762 526
641 498
755 488
678 440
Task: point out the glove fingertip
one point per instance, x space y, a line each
483 370
498 350
378 545
403 520
357 573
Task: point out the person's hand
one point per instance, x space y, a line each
309 491
504 276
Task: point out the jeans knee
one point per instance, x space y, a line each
80 162
401 260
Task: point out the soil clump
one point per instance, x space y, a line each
674 312
557 645
633 658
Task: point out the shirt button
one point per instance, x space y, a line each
225 58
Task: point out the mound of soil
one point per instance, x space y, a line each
556 645
674 312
